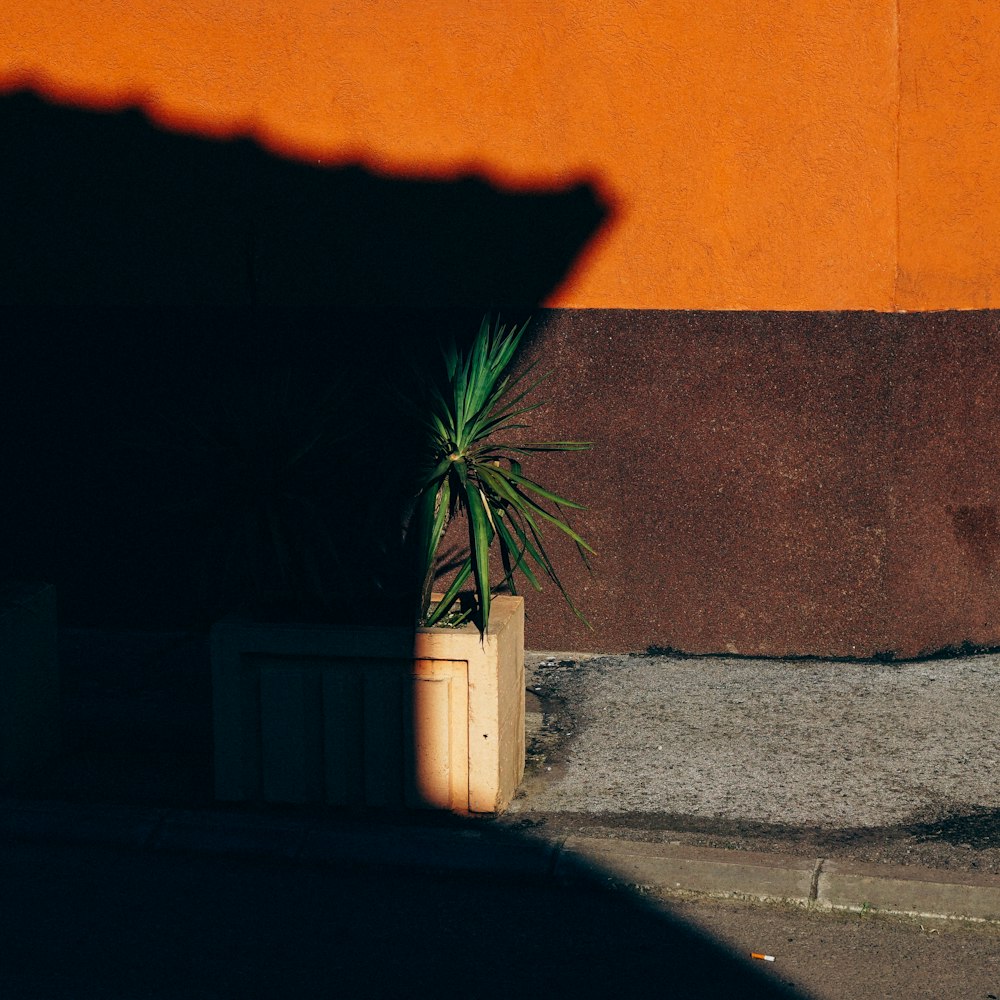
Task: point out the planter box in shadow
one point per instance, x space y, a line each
432 718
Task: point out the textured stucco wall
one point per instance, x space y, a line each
776 483
760 482
765 482
949 158
756 156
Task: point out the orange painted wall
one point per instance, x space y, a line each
949 181
761 155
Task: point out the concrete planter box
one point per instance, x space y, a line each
432 718
29 678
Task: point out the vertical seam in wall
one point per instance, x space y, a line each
888 435
896 142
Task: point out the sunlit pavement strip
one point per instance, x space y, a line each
800 743
821 883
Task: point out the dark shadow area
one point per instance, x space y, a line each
367 904
201 344
978 828
207 927
954 651
162 296
109 210
965 839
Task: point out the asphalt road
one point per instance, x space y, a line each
850 956
90 922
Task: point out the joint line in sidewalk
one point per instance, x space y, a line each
814 883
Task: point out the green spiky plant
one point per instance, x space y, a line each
470 466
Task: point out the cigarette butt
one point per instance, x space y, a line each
760 957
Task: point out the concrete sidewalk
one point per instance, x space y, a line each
494 851
841 784
864 786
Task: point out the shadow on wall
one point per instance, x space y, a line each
141 271
107 209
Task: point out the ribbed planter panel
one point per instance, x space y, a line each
321 714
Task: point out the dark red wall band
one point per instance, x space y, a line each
775 483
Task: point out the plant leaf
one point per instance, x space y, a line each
480 537
444 605
467 468
520 480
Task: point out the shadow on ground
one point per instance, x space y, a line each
80 918
92 922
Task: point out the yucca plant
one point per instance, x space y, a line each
470 466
